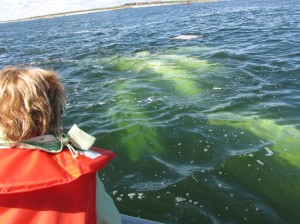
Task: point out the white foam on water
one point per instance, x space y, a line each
269 151
178 199
260 162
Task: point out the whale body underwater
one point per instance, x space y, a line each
271 168
179 72
171 70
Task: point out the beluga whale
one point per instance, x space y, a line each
187 37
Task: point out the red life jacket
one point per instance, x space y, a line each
37 187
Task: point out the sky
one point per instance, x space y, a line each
19 9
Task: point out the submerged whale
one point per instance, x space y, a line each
283 139
183 72
272 172
173 71
136 134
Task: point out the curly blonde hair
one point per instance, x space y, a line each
32 102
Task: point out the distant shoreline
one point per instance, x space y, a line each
125 6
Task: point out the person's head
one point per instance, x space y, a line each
32 101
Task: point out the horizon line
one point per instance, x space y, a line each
123 6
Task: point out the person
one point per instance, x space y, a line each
43 178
